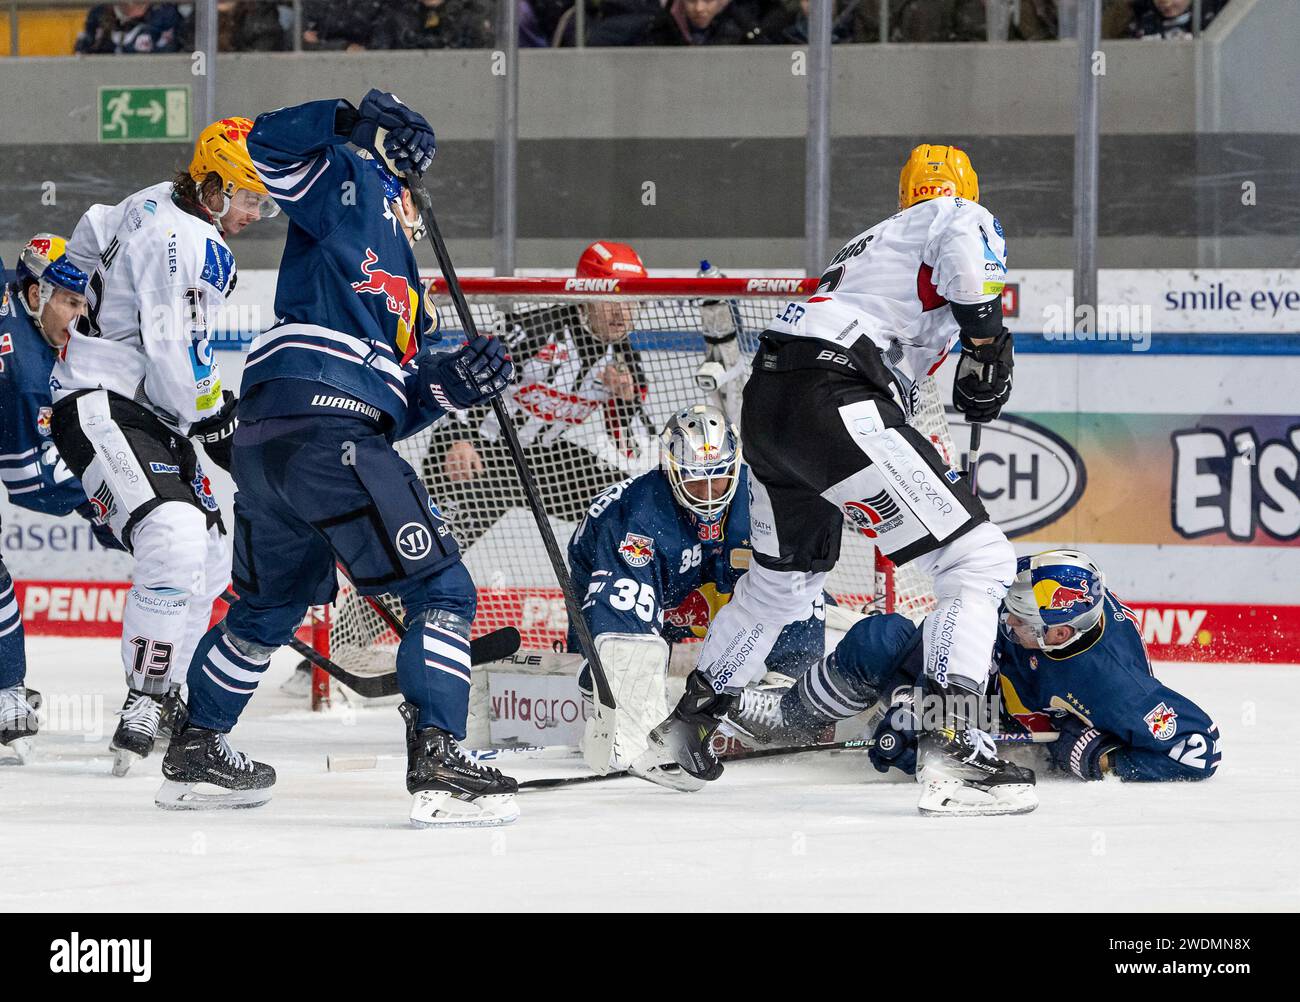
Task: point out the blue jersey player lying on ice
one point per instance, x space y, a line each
1069 660
655 557
345 371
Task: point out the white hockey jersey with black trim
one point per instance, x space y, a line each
157 275
892 284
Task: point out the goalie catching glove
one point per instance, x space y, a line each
473 375
983 383
217 433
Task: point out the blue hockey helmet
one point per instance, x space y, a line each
699 445
1056 588
44 263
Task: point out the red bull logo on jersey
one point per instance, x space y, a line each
1162 722
636 551
874 515
399 299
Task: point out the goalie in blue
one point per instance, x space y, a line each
1069 659
654 558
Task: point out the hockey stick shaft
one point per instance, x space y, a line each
586 642
490 647
858 744
973 457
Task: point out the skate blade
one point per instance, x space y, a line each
953 798
21 749
648 767
443 809
177 796
123 759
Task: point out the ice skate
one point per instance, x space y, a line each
960 773
136 730
450 789
18 724
202 772
686 738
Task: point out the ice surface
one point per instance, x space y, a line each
812 832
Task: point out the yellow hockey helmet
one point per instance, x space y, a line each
935 172
222 149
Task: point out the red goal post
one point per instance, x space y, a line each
603 364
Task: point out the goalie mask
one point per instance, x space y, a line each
700 456
1056 588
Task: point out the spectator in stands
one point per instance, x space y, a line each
437 24
113 29
250 27
346 27
787 22
921 21
614 22
707 22
1169 18
1040 19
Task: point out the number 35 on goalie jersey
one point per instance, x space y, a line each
643 564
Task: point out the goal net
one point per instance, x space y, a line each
602 365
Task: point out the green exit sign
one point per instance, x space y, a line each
144 114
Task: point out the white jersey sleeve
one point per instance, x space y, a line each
966 252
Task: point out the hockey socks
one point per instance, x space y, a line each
433 670
13 656
824 694
223 677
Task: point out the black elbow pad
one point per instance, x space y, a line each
978 320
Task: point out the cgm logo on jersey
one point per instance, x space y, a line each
414 541
636 551
874 515
1162 722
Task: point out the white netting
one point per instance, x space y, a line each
602 373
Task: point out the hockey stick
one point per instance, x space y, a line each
586 643
973 456
857 744
495 646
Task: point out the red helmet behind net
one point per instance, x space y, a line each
606 259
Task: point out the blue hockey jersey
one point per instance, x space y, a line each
34 476
644 564
1104 679
351 313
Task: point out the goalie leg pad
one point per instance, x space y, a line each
636 666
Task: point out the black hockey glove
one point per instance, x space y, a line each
102 531
1080 748
217 433
983 383
408 143
894 742
473 375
